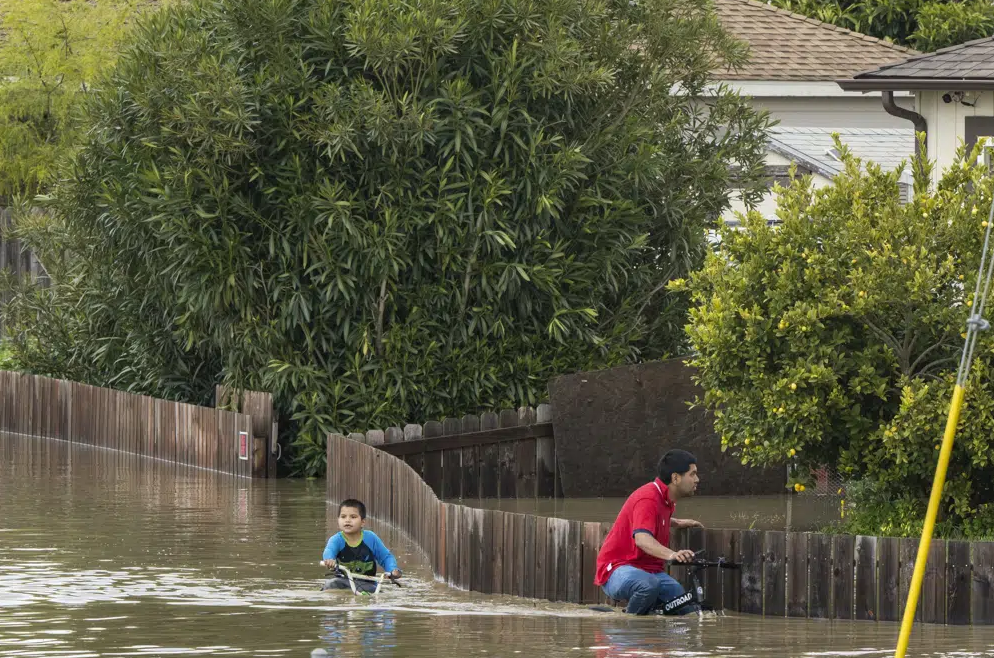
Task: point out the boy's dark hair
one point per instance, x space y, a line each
674 461
352 502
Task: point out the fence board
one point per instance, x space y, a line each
751 592
982 584
464 516
451 474
497 578
474 521
958 583
525 459
591 544
866 578
714 548
489 471
908 553
933 595
507 478
489 542
520 558
530 551
819 576
774 573
574 561
509 567
433 471
797 574
542 565
556 546
889 579
843 576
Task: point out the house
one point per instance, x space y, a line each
795 63
813 153
953 92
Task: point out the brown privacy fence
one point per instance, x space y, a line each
137 424
782 574
511 454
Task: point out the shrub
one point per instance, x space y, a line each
834 339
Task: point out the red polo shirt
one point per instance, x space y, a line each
648 508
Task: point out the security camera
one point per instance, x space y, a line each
950 97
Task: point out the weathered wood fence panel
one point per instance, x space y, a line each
507 455
781 574
135 424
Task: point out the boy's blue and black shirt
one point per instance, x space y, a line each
361 558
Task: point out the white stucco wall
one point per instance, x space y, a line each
768 206
820 104
946 122
856 111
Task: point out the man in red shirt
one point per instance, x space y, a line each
632 561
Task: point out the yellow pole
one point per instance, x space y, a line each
933 510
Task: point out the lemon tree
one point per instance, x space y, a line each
833 339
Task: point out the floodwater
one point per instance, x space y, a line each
794 513
105 555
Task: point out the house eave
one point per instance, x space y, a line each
914 84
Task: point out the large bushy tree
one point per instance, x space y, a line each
387 211
924 25
835 338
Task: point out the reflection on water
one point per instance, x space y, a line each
105 555
794 513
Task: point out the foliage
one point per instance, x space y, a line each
388 211
834 339
51 51
925 25
7 360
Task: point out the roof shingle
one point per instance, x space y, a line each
973 60
788 46
887 147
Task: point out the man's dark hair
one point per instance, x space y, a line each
352 502
674 461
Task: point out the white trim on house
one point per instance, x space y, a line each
798 89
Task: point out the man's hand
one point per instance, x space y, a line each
395 574
329 564
685 555
686 523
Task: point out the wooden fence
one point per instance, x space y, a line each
511 454
160 429
259 405
781 575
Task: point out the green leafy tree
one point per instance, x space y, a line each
834 339
51 51
386 211
924 25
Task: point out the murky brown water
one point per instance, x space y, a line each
794 513
103 555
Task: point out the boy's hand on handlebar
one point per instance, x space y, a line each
395 574
685 555
330 564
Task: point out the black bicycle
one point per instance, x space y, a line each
693 598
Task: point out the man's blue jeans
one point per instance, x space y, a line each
643 590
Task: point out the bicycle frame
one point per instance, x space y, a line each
695 595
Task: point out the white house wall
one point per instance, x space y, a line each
768 206
855 111
947 122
